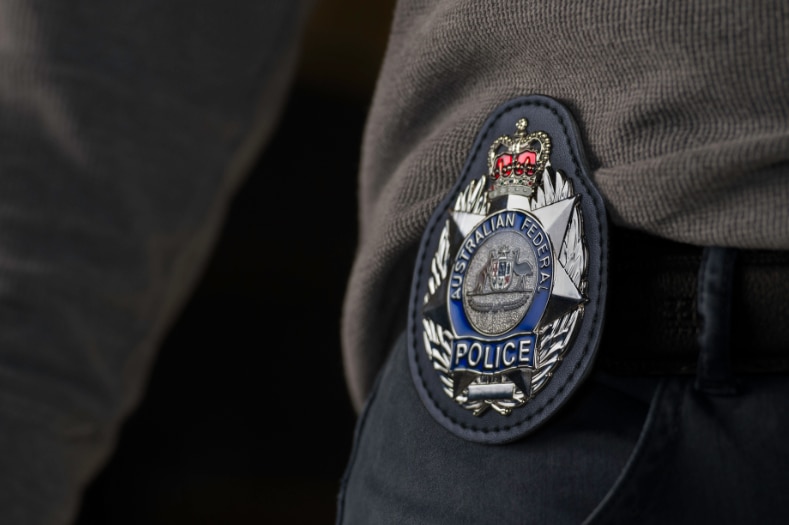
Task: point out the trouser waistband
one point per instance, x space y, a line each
667 301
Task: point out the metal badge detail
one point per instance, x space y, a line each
507 278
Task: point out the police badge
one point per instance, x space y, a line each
507 301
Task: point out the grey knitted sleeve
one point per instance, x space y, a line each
125 127
683 108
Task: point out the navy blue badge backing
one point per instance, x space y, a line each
490 364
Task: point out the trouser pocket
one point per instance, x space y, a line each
406 468
706 458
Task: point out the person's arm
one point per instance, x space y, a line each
125 129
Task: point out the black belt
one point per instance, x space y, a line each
652 319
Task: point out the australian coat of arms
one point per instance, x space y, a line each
506 305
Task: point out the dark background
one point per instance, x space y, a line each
230 431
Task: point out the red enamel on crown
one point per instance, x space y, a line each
515 162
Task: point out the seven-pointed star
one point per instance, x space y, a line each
554 219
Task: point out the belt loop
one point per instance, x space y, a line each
715 291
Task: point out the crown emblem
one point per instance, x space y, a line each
514 162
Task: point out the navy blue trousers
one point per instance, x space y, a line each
704 448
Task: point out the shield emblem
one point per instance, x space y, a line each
500 271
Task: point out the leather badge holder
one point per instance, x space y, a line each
508 293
